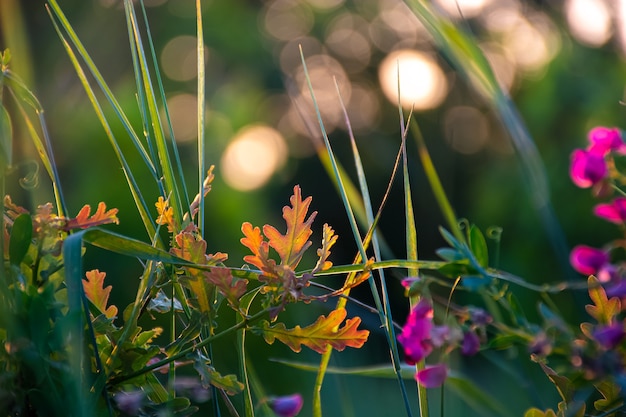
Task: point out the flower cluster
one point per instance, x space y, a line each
595 167
420 336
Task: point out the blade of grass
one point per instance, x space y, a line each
201 115
44 148
472 64
56 13
159 80
170 183
411 243
384 310
317 403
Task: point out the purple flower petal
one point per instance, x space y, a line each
586 168
603 140
617 290
432 376
609 336
471 343
588 260
286 406
615 211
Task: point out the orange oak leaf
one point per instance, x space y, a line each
319 335
97 293
260 248
192 247
329 238
292 245
166 214
101 216
232 288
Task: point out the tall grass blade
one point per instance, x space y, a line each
159 81
22 94
472 64
57 14
201 115
169 178
317 403
384 308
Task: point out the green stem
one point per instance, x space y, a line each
185 352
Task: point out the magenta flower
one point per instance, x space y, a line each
587 168
415 337
432 376
609 336
471 343
603 140
588 260
286 406
615 212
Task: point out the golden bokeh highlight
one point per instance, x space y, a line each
423 85
252 157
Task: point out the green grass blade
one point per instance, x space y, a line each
133 186
93 69
472 64
23 95
159 81
435 184
317 403
201 115
384 308
171 187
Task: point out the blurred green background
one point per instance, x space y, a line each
561 61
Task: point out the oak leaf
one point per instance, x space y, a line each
97 293
232 288
319 335
101 216
604 309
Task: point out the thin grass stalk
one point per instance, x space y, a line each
170 183
384 308
317 405
411 246
472 64
159 81
21 93
201 116
133 186
435 183
93 69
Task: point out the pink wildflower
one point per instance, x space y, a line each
603 140
286 406
415 337
588 260
432 376
587 168
615 212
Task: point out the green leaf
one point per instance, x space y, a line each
604 309
478 245
611 393
6 139
20 240
209 376
535 412
449 254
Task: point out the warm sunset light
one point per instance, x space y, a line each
422 82
252 157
